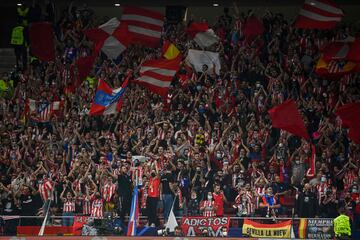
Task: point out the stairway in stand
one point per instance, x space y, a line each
7 59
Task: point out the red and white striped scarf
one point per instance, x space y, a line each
138 173
144 196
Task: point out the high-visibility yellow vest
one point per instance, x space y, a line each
91 81
3 86
342 225
17 36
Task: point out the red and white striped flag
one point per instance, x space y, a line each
145 25
319 14
156 75
42 111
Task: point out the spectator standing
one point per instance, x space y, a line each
208 206
153 198
306 203
124 187
68 208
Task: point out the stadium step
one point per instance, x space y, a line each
7 59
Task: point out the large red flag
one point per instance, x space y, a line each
354 135
350 117
42 41
253 27
84 66
287 117
349 114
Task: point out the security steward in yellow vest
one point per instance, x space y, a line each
19 43
342 227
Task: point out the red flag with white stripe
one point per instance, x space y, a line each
319 14
156 75
144 25
112 38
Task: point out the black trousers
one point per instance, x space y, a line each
21 56
151 206
124 206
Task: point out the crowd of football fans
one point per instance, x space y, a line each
208 148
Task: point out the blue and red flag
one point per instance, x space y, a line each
107 100
134 214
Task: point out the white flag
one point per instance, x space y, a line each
171 223
206 39
198 59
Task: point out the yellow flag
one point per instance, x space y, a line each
171 52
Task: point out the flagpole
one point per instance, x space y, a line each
42 229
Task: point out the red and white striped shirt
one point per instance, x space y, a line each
69 206
86 204
244 203
321 189
108 191
45 189
97 208
349 178
209 210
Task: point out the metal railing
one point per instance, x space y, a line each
11 223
